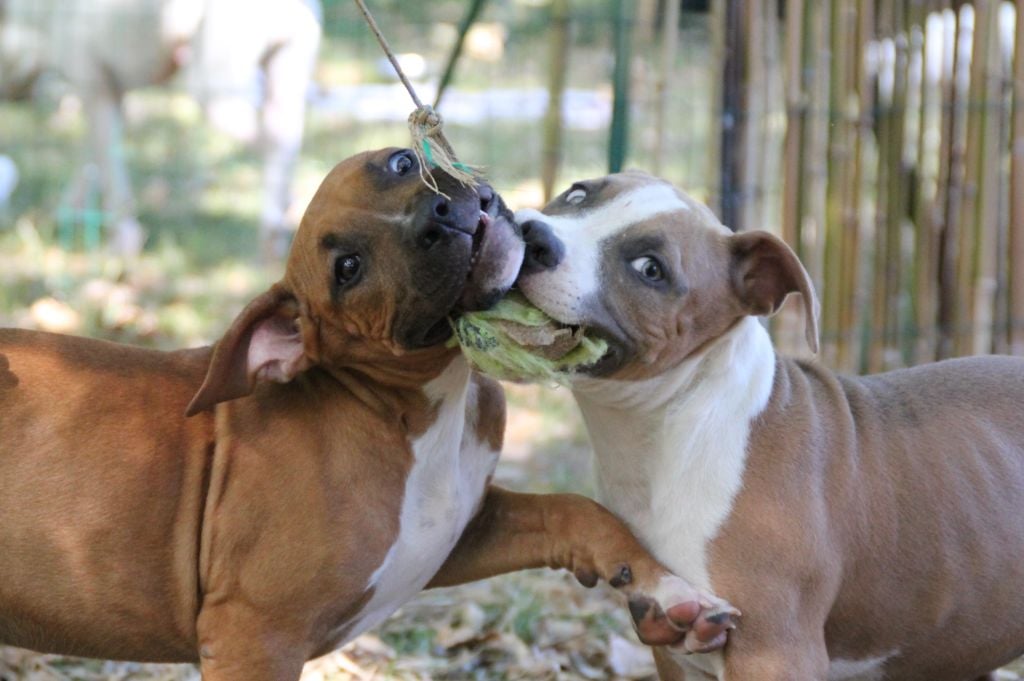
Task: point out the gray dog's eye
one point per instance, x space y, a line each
346 268
401 162
576 196
648 268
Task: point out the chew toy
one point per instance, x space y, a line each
516 341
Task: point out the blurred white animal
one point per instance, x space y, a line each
8 181
249 64
413 65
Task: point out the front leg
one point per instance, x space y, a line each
240 642
805 660
784 654
516 531
783 635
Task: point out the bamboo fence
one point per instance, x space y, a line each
902 166
551 149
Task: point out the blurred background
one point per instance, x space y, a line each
155 156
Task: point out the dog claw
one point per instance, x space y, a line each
710 630
624 577
724 617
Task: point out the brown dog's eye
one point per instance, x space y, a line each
401 162
346 268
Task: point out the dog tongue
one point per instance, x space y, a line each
498 257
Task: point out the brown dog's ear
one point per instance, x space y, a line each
764 271
263 344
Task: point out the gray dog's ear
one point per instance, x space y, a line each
764 271
263 344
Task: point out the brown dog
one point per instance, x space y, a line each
338 450
869 528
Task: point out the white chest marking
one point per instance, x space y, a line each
671 451
868 669
442 493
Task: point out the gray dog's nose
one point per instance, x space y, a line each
544 251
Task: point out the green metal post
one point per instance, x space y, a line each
449 69
618 142
551 151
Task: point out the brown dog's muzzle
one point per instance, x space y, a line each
466 251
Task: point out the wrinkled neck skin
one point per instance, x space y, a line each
738 355
371 365
670 451
396 384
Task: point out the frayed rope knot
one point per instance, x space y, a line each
428 141
426 119
433 150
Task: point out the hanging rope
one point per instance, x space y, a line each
428 141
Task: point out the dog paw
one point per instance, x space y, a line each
710 629
674 613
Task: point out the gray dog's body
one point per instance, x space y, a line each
868 528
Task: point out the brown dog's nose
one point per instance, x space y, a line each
544 250
488 198
444 219
441 208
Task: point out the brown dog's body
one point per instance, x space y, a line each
336 462
81 488
287 501
869 528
